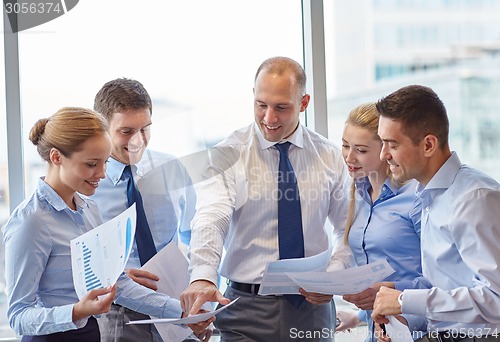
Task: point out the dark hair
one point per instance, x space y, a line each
121 94
66 130
420 112
279 65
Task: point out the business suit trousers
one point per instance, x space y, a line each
273 318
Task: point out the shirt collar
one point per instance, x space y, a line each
297 138
389 188
114 170
392 185
55 200
362 183
445 175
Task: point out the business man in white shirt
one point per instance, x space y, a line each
239 208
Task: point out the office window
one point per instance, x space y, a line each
197 59
451 46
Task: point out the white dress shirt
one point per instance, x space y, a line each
237 204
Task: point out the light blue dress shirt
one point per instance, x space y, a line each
167 193
40 288
388 229
460 252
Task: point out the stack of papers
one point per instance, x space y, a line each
287 276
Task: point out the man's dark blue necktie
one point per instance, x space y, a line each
143 238
290 236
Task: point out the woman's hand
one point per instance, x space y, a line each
94 302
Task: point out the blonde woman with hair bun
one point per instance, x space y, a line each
43 304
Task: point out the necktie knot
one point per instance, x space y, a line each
127 171
283 148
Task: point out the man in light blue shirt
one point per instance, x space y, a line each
460 229
163 182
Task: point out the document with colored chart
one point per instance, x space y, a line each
98 257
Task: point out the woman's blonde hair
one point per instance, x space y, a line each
363 116
66 130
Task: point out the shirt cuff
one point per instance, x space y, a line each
81 322
415 323
173 310
204 273
415 302
69 325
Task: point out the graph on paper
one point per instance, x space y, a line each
91 280
98 257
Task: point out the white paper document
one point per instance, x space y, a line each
351 280
186 320
171 266
98 257
397 331
276 281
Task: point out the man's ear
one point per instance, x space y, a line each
304 102
431 144
55 156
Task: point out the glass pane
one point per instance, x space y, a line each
450 46
197 59
4 180
4 192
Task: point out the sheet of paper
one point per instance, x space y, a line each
171 267
351 280
98 257
186 320
276 281
397 331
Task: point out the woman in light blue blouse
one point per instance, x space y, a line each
43 304
383 220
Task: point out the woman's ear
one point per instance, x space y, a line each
55 156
